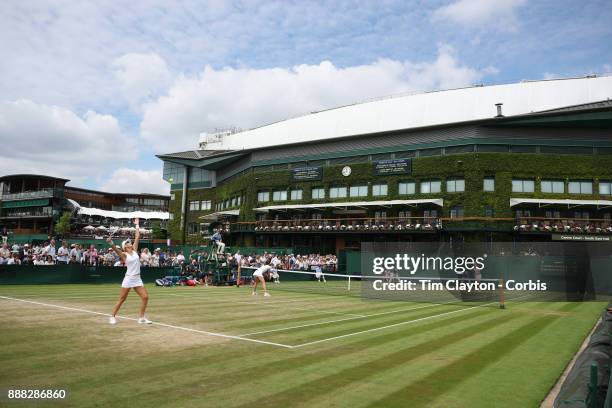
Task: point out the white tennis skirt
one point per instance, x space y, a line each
131 281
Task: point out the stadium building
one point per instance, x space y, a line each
31 204
523 161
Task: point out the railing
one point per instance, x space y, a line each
564 225
351 224
42 193
29 213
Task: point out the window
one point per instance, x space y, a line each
430 215
553 214
488 184
296 194
553 186
488 211
432 186
456 211
192 228
605 187
523 213
205 205
359 191
406 188
317 216
263 196
404 215
581 215
380 216
580 187
337 192
318 193
523 186
172 197
279 195
455 185
379 190
194 206
173 173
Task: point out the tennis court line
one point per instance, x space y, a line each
226 336
343 320
388 326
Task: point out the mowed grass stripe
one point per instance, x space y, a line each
397 357
315 333
427 389
273 373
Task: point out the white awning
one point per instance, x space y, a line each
146 215
435 201
542 202
215 216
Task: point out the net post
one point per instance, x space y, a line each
349 283
502 299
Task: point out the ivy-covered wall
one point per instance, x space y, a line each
473 167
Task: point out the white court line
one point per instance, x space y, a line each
226 336
388 326
271 302
342 320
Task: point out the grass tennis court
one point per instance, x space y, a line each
222 347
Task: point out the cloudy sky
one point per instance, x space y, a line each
91 91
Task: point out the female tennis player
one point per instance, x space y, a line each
129 256
258 276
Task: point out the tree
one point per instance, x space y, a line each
62 227
158 233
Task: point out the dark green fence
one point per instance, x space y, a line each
62 274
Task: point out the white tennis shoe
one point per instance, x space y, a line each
144 320
266 294
112 320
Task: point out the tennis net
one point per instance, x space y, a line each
394 288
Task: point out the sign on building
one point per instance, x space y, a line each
307 173
392 167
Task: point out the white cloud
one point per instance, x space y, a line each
247 97
125 180
141 76
499 14
44 139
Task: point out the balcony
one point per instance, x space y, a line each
43 193
563 225
350 225
44 212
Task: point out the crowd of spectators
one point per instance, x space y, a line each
564 226
52 253
427 224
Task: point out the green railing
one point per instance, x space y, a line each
63 274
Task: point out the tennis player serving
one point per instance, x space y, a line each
258 276
129 256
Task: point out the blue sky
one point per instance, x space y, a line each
92 90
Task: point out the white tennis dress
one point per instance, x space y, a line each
261 270
132 276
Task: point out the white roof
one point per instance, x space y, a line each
424 109
435 201
214 216
147 215
569 202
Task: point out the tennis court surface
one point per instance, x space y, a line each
222 347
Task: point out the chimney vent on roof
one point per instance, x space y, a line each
499 110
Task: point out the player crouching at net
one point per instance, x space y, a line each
258 276
129 256
319 275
